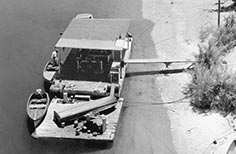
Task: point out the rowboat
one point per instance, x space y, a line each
37 106
49 71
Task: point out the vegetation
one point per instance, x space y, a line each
212 87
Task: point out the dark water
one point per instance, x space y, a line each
28 31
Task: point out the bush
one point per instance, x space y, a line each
203 88
225 36
225 98
212 87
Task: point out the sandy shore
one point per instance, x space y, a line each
192 132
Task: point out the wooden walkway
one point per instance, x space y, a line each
146 61
49 129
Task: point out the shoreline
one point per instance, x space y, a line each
145 124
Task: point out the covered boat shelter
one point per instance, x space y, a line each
92 44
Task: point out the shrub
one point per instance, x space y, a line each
203 88
225 98
225 36
211 86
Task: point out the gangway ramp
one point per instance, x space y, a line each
150 61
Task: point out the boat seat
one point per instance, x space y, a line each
43 100
37 106
50 67
39 101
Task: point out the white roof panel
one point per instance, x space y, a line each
94 33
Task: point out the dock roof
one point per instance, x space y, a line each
93 34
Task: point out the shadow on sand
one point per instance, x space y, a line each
165 72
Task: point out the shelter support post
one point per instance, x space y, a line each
121 59
113 55
218 13
101 65
60 60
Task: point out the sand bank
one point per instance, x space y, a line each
179 25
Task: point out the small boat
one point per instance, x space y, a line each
84 16
37 106
49 71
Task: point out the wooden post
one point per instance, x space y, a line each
218 13
127 40
120 64
113 55
59 61
101 65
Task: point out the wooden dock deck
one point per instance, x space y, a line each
49 129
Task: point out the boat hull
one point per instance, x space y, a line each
48 75
35 123
37 112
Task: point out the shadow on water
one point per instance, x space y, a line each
99 145
46 85
30 125
28 31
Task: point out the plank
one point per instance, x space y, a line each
147 61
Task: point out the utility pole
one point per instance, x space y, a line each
218 13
